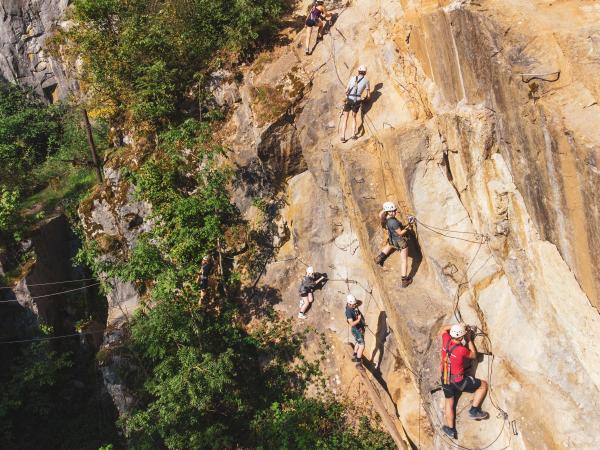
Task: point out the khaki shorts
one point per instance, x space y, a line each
399 244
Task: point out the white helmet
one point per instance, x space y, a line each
310 270
351 299
457 331
362 68
389 206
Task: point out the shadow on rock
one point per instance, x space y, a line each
259 302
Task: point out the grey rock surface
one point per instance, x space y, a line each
25 27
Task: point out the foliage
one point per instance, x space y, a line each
143 57
207 382
9 218
203 379
43 160
40 404
29 132
315 424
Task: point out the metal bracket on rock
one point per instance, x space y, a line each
550 76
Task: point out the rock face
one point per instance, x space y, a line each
25 26
484 124
113 219
44 292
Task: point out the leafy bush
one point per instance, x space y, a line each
29 132
144 57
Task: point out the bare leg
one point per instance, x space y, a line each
308 35
480 394
306 304
320 33
404 262
449 410
354 123
346 114
359 350
388 250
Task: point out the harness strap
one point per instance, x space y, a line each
447 376
355 87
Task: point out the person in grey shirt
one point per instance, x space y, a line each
353 101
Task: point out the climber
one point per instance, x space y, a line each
310 282
397 239
454 381
202 278
357 323
315 18
353 100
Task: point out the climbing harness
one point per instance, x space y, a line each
447 375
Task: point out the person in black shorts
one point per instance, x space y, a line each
353 101
397 240
357 324
315 18
454 380
311 281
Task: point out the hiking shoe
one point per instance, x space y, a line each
380 259
451 432
406 281
478 414
301 316
356 360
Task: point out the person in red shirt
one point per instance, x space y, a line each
454 381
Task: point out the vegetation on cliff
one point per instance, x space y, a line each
204 378
43 157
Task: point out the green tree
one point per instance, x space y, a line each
29 132
143 57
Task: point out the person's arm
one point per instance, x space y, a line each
355 322
401 231
368 91
471 345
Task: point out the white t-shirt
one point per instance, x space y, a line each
356 86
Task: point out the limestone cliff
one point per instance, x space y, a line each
484 124
25 26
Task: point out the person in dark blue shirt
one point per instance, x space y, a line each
311 281
397 240
357 324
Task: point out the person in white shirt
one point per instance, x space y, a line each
353 101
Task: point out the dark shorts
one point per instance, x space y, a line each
312 23
359 336
203 283
352 105
468 384
399 244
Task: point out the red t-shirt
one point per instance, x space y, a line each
458 355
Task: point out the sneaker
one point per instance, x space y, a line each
356 360
301 316
406 281
451 432
477 414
